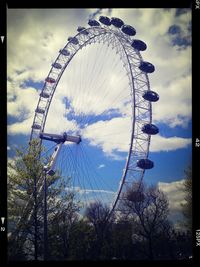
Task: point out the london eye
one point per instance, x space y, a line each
107 106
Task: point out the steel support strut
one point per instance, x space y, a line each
45 218
59 139
50 170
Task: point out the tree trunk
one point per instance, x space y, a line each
151 255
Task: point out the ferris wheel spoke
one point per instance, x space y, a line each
84 148
89 120
100 86
86 120
78 178
83 178
93 78
91 178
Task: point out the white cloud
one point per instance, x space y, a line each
174 107
88 191
160 143
115 137
24 103
38 35
23 127
99 191
174 192
101 166
176 196
21 105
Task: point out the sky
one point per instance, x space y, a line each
95 82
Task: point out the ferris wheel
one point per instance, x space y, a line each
96 107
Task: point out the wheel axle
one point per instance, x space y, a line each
60 138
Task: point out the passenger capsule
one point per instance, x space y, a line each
145 164
44 95
117 22
105 20
40 110
64 52
129 30
36 126
151 96
57 65
139 45
73 40
146 67
82 30
50 80
93 22
150 129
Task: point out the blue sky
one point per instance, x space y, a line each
34 40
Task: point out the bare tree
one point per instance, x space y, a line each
187 207
98 215
148 209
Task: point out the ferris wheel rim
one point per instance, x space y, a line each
100 31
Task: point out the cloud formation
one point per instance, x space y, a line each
87 191
160 143
176 196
